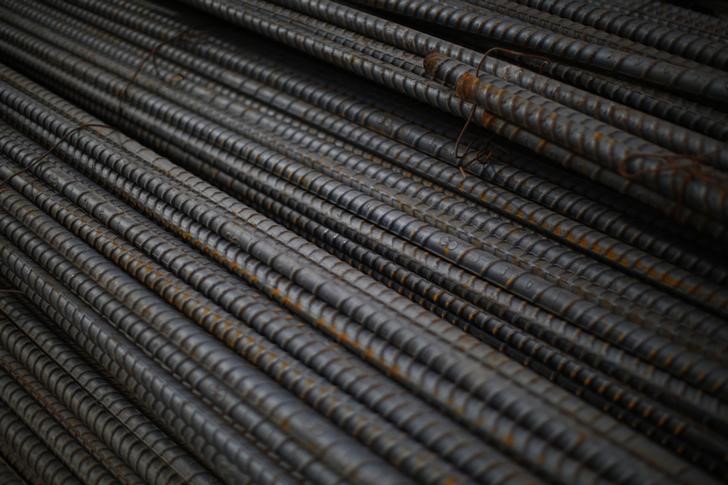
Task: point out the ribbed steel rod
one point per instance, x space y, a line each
431 43
371 430
437 386
373 120
17 233
665 14
471 316
508 30
333 278
656 204
45 291
422 44
687 44
327 398
658 103
108 468
432 93
192 339
118 215
279 445
8 475
46 425
104 423
28 454
169 199
218 432
411 257
587 33
376 120
470 282
715 150
280 290
473 225
583 134
164 459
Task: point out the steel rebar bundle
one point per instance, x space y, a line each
402 241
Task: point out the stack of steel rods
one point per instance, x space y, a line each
647 158
224 261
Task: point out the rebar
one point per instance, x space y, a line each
510 31
9 475
29 454
170 199
374 120
402 241
684 43
421 89
164 460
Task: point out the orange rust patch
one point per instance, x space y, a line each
541 145
612 255
432 62
466 85
486 119
663 277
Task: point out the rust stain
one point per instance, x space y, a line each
466 86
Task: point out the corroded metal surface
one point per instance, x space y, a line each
224 261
